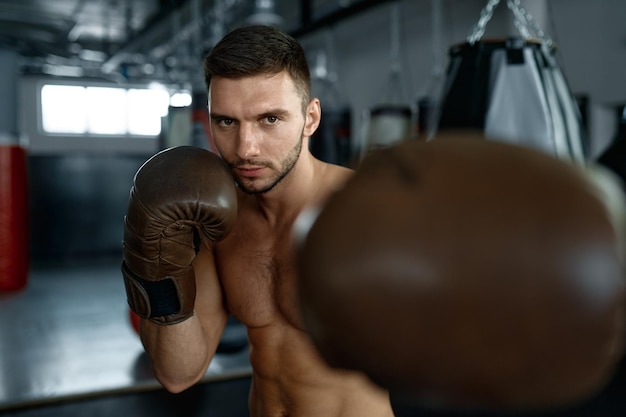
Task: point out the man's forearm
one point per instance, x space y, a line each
180 353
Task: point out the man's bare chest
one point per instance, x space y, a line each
258 279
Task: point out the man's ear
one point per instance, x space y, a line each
313 116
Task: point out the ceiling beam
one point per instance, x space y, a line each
159 33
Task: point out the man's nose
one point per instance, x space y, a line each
248 141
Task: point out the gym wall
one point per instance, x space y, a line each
78 188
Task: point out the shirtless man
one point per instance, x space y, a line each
261 118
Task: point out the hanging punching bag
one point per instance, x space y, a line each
614 156
425 106
388 124
13 184
512 89
391 121
331 142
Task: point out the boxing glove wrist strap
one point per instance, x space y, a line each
155 300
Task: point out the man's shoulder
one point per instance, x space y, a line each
334 179
337 173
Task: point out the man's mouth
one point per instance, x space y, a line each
250 171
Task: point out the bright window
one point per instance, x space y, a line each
106 110
145 109
181 99
102 110
63 109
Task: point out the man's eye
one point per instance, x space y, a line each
271 119
226 122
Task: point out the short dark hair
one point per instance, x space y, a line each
259 49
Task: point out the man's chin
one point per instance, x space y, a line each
252 189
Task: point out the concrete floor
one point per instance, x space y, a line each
67 337
67 349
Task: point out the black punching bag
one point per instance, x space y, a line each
512 89
614 156
331 142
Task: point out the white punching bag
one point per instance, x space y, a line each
391 121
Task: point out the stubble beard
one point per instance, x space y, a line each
286 166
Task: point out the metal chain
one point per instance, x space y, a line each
485 16
525 23
523 20
520 21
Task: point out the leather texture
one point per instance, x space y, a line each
177 195
467 273
14 221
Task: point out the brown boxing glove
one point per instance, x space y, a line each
462 272
176 195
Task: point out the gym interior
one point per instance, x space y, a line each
382 69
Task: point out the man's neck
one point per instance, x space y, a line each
284 202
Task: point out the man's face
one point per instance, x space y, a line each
257 124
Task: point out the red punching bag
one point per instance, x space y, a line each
13 184
13 218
